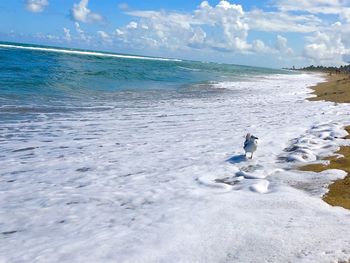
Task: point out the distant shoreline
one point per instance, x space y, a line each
335 89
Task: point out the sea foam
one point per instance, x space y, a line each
166 180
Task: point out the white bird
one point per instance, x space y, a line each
250 144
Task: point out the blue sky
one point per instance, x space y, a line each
273 33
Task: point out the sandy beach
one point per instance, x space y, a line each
336 89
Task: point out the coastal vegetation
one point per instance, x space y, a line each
330 69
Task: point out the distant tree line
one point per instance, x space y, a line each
341 69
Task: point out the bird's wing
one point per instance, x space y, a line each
246 143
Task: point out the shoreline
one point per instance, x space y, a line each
336 89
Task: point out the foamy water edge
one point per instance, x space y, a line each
145 186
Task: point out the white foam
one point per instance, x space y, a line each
256 175
321 140
166 180
88 53
261 187
215 184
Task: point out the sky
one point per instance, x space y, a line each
270 33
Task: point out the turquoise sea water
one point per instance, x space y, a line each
42 79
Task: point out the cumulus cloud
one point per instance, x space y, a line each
36 6
82 36
260 47
329 43
119 32
330 46
225 27
67 35
227 19
81 13
78 28
131 25
49 37
282 45
219 27
104 37
158 30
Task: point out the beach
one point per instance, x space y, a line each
115 159
336 89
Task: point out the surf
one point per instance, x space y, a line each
86 53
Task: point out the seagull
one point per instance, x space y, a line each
250 144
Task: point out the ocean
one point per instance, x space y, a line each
121 158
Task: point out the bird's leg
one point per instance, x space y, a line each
251 157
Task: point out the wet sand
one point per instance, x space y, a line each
336 89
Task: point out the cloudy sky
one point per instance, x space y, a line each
273 33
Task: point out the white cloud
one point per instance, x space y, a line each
282 45
328 7
330 46
198 37
78 28
119 32
282 22
67 35
217 27
131 25
36 6
227 19
259 47
80 12
49 37
52 37
311 6
158 30
104 37
103 34
81 34
330 43
225 27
